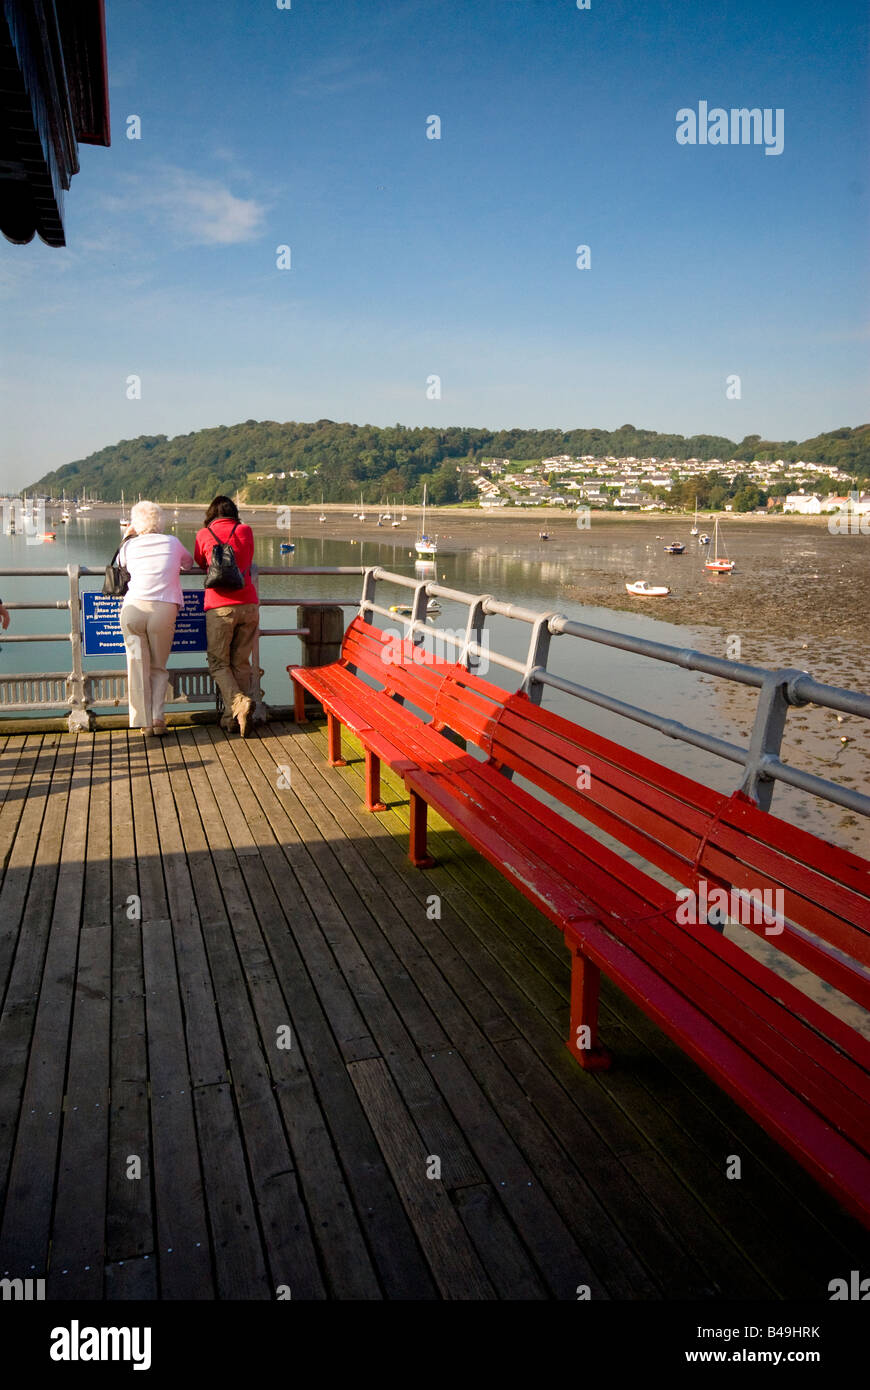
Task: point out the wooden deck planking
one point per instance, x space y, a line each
25 1233
222 998
130 1211
578 1205
414 1035
26 907
663 1251
307 1134
458 1169
78 1242
324 1014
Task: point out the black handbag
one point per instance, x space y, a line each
117 580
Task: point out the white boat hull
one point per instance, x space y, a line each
640 589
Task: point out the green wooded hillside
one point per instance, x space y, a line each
342 460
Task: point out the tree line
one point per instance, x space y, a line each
343 460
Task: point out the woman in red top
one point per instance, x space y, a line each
232 616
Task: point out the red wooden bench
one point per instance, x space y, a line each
386 726
799 1070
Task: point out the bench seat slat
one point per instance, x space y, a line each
364 706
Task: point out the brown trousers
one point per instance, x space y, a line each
230 633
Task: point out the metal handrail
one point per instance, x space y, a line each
779 690
78 684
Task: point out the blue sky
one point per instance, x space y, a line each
455 257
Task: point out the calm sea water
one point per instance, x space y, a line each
520 572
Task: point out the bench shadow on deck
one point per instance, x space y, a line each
159 1138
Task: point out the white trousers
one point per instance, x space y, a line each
148 626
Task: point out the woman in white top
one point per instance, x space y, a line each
149 611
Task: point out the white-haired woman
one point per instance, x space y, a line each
149 611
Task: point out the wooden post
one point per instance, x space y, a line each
325 632
320 646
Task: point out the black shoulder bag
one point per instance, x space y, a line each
117 580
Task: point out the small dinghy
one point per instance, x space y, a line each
405 609
643 589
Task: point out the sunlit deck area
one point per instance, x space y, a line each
248 1052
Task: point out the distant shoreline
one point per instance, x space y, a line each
343 511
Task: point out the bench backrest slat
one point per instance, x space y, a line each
395 663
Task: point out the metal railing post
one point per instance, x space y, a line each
774 700
539 650
474 630
418 612
80 717
367 596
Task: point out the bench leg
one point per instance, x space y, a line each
583 1037
373 783
333 740
419 858
299 714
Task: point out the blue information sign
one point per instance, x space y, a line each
101 624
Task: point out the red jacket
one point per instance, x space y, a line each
242 542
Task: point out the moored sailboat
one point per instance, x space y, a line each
424 545
719 564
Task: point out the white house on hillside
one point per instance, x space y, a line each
805 503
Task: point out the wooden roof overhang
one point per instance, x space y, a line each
53 97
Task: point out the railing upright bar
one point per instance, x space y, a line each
367 598
536 659
771 713
474 632
80 718
418 614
